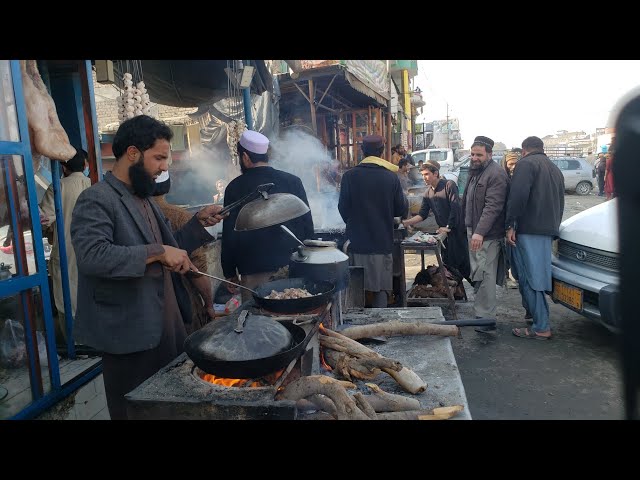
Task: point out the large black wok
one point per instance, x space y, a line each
322 292
203 348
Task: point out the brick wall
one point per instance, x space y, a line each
107 107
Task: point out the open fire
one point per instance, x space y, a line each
267 380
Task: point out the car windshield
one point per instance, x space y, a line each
438 156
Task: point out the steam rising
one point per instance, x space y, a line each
304 155
296 152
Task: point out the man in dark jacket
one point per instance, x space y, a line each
370 196
256 255
534 213
483 206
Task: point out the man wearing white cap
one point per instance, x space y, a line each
256 255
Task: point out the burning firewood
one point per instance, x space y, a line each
405 377
346 407
390 329
382 401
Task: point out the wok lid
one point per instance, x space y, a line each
259 337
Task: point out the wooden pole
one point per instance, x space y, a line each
389 130
312 98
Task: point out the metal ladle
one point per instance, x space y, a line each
292 234
226 281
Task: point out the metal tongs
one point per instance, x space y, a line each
261 190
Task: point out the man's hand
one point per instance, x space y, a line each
232 288
443 230
176 260
476 242
208 216
511 237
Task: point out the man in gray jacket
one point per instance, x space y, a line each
534 213
483 206
126 251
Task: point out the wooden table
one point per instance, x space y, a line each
437 249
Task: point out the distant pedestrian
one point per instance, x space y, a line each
601 165
609 187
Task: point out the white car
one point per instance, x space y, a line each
585 265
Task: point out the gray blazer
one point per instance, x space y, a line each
120 305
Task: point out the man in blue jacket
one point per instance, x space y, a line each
370 196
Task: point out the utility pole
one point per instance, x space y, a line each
448 141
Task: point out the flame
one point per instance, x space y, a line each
322 360
269 379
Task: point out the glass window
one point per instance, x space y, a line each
417 157
563 164
574 165
15 385
8 116
12 170
438 156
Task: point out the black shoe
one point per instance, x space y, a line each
487 329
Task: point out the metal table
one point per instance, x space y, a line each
437 249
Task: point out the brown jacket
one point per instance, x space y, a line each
488 201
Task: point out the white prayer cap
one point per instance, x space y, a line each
163 177
254 141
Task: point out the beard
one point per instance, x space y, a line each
243 169
143 184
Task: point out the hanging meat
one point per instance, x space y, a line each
48 138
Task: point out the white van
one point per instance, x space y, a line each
444 156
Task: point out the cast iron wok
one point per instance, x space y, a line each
255 368
295 305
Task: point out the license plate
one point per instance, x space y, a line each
567 294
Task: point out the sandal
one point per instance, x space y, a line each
526 333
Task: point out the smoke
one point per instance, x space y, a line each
194 181
303 155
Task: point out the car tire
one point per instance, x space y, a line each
583 188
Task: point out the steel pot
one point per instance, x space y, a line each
320 260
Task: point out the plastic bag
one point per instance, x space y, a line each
13 350
233 303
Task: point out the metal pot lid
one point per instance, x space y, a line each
260 337
320 243
277 208
319 255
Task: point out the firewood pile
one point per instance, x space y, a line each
351 362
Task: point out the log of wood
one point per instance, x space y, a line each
346 407
442 413
395 328
364 405
382 401
406 378
323 403
348 367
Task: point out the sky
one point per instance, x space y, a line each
509 100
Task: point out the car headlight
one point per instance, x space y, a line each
554 247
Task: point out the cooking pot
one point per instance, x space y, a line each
322 292
320 260
244 345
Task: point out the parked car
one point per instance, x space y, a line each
577 172
444 156
585 265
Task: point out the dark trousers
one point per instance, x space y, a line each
601 182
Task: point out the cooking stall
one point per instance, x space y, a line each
288 354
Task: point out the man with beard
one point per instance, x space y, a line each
483 207
257 255
126 251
